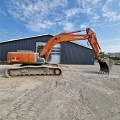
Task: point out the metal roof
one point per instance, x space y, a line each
17 39
25 38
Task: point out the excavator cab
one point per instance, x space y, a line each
106 65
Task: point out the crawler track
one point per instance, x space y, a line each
42 70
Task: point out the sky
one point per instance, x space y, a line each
24 18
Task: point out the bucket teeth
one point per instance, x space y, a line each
102 72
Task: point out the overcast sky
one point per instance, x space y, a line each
23 18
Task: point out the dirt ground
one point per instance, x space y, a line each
81 93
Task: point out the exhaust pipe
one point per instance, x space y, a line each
106 65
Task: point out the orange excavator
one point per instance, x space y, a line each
37 63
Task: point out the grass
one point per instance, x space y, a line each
117 62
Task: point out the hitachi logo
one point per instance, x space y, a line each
78 37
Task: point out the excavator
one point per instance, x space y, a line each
36 64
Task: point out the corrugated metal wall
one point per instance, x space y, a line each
72 53
21 44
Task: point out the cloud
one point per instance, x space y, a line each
98 9
68 26
72 12
111 45
112 40
40 25
5 34
108 13
90 8
103 25
84 25
112 48
119 3
39 15
2 12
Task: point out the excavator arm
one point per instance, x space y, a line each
105 64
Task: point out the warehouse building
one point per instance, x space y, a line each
63 53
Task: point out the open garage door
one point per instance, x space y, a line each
55 54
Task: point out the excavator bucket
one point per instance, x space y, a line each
106 65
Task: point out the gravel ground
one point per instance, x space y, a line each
81 93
